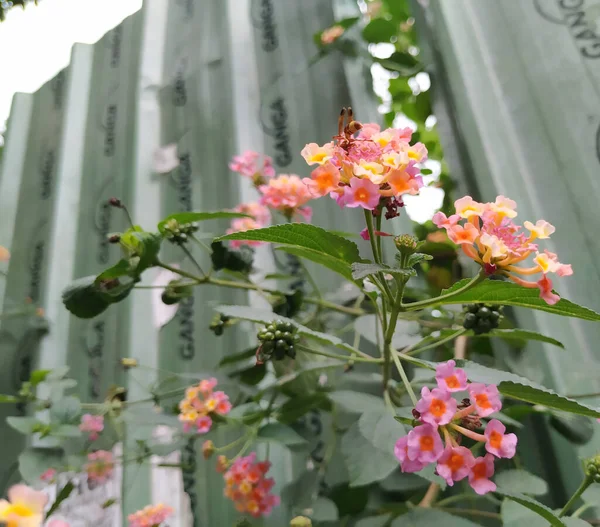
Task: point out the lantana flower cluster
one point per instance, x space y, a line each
93 424
445 421
100 466
260 217
374 168
253 165
489 236
249 489
150 516
199 403
24 508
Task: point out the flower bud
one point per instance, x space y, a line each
592 468
301 521
115 202
128 362
406 243
221 464
208 449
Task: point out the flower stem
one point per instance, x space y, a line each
587 481
434 301
469 433
341 357
404 378
430 495
437 343
371 231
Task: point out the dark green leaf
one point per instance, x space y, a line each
347 23
399 87
280 433
379 30
350 501
365 464
298 406
534 506
299 493
402 62
356 402
251 376
509 294
381 429
189 217
121 268
418 258
398 9
143 245
324 510
512 385
83 299
400 482
238 357
336 265
522 334
521 481
289 305
224 258
62 495
4 399
575 428
360 270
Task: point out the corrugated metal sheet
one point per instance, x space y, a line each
216 78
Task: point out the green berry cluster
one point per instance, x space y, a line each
592 468
278 339
218 324
482 318
178 232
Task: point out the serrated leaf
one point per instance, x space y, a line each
62 495
311 241
356 402
420 517
534 506
33 462
334 264
522 482
188 217
361 270
575 428
509 294
324 510
522 389
239 260
381 429
280 433
143 245
238 357
520 334
379 30
364 463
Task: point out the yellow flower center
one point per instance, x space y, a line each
17 509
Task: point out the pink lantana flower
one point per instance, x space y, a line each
253 165
361 193
485 398
424 444
546 292
401 453
450 378
94 424
499 443
323 180
100 466
480 474
203 424
467 234
455 464
152 515
288 195
49 475
437 407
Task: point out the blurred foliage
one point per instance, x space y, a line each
5 5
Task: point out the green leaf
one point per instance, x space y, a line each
361 270
522 389
63 494
238 357
381 429
509 294
365 464
66 431
324 510
189 217
299 493
33 462
398 9
374 521
252 375
347 23
298 406
421 517
400 482
289 305
337 266
575 522
24 425
38 376
280 433
307 241
534 506
122 268
83 299
575 428
515 515
224 258
66 410
521 481
356 402
4 399
143 245
521 334
418 258
379 30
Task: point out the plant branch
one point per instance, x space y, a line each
587 481
355 358
430 495
437 343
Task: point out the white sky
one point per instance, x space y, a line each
36 42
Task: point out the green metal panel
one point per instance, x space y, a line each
523 86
